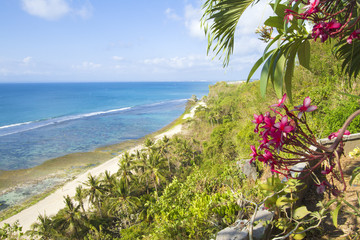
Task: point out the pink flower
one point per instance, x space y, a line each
258 120
266 157
253 154
324 30
333 25
268 125
335 134
288 15
280 104
283 125
311 7
354 35
264 142
305 107
277 140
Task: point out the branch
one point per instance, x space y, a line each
341 133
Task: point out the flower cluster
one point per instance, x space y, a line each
331 18
286 139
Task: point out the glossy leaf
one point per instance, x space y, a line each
276 22
264 77
289 71
301 212
279 76
304 54
335 214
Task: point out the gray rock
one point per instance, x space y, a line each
237 232
248 169
261 230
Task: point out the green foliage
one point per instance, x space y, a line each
187 187
13 231
225 16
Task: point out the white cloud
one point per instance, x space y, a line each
26 60
172 15
85 11
55 9
117 58
180 62
87 66
192 21
253 18
48 9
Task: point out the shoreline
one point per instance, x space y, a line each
52 203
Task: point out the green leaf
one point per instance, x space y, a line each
304 54
276 5
301 212
335 214
355 209
266 187
289 72
279 9
264 77
282 201
299 236
276 22
279 76
354 174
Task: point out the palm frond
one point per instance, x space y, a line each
224 16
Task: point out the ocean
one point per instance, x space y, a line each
40 121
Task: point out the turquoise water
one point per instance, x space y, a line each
46 120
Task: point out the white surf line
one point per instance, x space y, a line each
55 201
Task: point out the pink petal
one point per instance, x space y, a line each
288 129
307 102
311 108
284 120
300 115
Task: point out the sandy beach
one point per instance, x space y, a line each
55 201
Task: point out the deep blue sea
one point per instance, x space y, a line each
40 121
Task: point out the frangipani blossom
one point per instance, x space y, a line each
305 107
283 125
335 134
258 120
311 7
354 35
280 104
253 154
289 15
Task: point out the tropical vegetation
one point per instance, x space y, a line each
191 186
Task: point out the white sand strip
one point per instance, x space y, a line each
55 201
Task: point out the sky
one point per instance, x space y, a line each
118 40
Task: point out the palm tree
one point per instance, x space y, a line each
69 220
44 228
123 201
125 167
108 181
94 192
155 168
80 195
